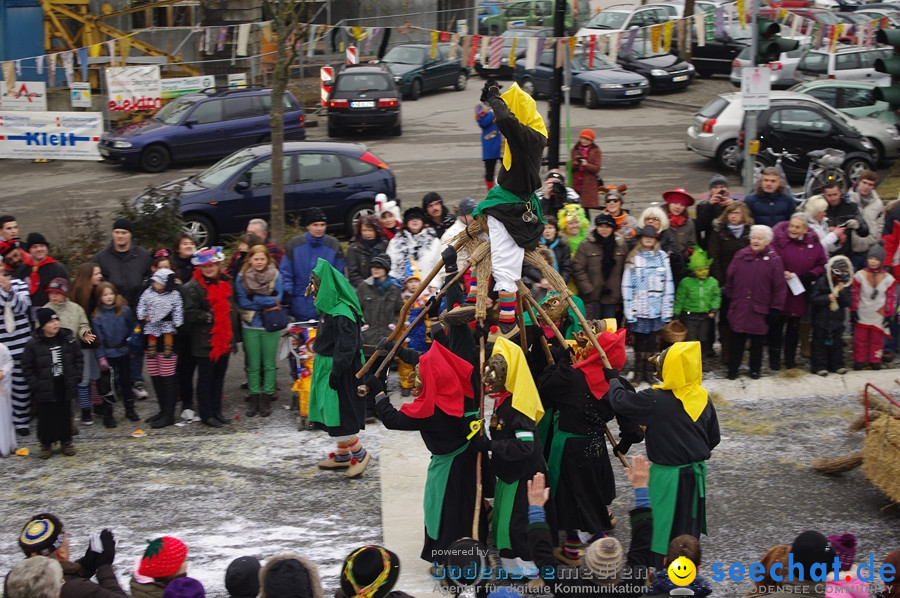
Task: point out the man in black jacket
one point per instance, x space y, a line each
438 217
710 209
844 218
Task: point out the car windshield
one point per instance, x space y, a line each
642 48
601 63
826 18
224 169
607 20
173 112
362 82
405 55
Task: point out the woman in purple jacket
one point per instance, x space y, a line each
755 283
803 257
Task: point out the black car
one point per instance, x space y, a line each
363 96
518 36
801 127
664 71
718 53
416 70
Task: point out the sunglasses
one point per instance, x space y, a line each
617 199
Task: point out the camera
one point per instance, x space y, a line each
558 189
722 193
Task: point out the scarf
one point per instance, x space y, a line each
381 286
677 220
608 260
218 293
551 245
259 283
736 229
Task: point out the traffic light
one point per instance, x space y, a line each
891 66
769 44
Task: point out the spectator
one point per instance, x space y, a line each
561 254
164 560
872 209
82 293
597 268
368 241
683 232
184 587
554 194
626 225
587 160
491 142
370 571
437 216
8 443
830 297
245 242
416 242
803 258
698 299
242 577
14 261
770 203
778 554
379 297
686 546
301 255
844 218
181 257
289 576
388 213
127 266
185 366
36 577
845 582
808 549
816 209
656 217
463 219
755 284
45 535
730 234
9 228
113 322
709 210
43 268
15 301
260 228
574 225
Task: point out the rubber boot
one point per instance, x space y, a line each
265 405
640 368
252 405
169 387
158 390
108 420
804 338
130 413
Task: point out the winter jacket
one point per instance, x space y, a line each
423 247
300 257
79 586
648 289
587 271
822 314
770 208
491 140
805 257
873 304
359 256
255 303
703 224
19 301
127 270
685 236
37 365
112 331
71 317
165 310
697 296
723 246
842 213
379 308
827 238
41 275
872 210
756 286
198 317
584 177
440 226
562 256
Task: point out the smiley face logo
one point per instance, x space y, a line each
682 571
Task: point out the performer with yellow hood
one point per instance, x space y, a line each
512 209
681 430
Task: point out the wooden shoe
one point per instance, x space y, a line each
357 468
331 464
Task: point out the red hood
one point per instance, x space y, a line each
446 380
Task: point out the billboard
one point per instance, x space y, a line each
54 135
133 88
23 95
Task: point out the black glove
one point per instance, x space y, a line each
374 385
109 548
385 345
449 257
854 317
490 90
808 278
334 381
481 331
89 563
622 447
560 354
610 374
481 443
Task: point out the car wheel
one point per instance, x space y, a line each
879 151
415 90
727 154
397 131
357 212
200 228
703 74
155 158
333 131
590 97
854 167
528 87
759 164
462 79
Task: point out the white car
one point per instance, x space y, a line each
622 18
782 76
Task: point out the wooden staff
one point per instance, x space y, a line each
544 344
559 336
478 491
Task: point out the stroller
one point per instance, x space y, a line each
300 336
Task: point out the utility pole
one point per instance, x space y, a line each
750 142
559 23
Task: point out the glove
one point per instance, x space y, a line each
449 257
334 381
852 224
622 447
560 354
807 279
104 365
375 385
481 331
481 443
854 317
109 548
610 374
385 345
89 563
490 90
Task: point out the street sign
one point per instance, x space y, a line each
755 88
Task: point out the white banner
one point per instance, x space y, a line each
24 95
172 88
55 135
237 80
133 88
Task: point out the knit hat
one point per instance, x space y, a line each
314 215
588 134
845 547
382 260
289 576
716 180
35 239
466 206
649 231
122 223
242 577
184 587
370 568
877 251
430 198
604 558
44 533
58 285
678 196
412 213
163 557
810 548
6 247
605 218
699 259
208 255
44 315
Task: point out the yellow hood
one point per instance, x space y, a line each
682 373
525 110
525 398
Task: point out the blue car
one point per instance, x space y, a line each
487 8
342 179
598 82
198 126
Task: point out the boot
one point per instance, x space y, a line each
157 388
86 417
169 387
252 405
130 413
804 338
68 449
774 360
46 451
640 368
265 405
108 420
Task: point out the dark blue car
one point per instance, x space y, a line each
198 126
340 178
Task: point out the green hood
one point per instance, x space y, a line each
335 297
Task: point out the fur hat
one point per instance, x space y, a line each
382 260
44 533
845 547
44 315
242 577
877 251
810 548
184 587
123 224
314 215
35 239
370 571
163 557
208 255
604 558
382 205
58 285
6 247
412 213
289 576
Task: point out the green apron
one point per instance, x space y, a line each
324 407
664 496
547 426
554 465
499 196
436 487
504 499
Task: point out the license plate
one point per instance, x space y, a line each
679 78
104 152
363 104
632 92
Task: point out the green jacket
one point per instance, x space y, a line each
694 295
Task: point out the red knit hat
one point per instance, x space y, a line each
588 134
163 557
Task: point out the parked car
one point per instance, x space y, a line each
782 74
342 179
853 97
485 9
416 71
363 96
664 71
846 63
532 13
601 82
810 15
621 18
196 126
891 14
675 8
717 55
844 6
519 36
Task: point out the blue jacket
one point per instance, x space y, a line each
770 208
300 257
256 302
112 331
491 146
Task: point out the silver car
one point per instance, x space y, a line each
714 130
782 76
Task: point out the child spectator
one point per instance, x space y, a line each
289 575
164 560
112 322
698 299
242 577
162 308
874 304
830 297
389 215
184 587
686 546
847 584
370 571
777 554
418 338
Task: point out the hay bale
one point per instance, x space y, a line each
881 456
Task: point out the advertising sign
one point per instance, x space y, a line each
755 88
23 95
133 88
81 94
237 80
172 88
53 135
